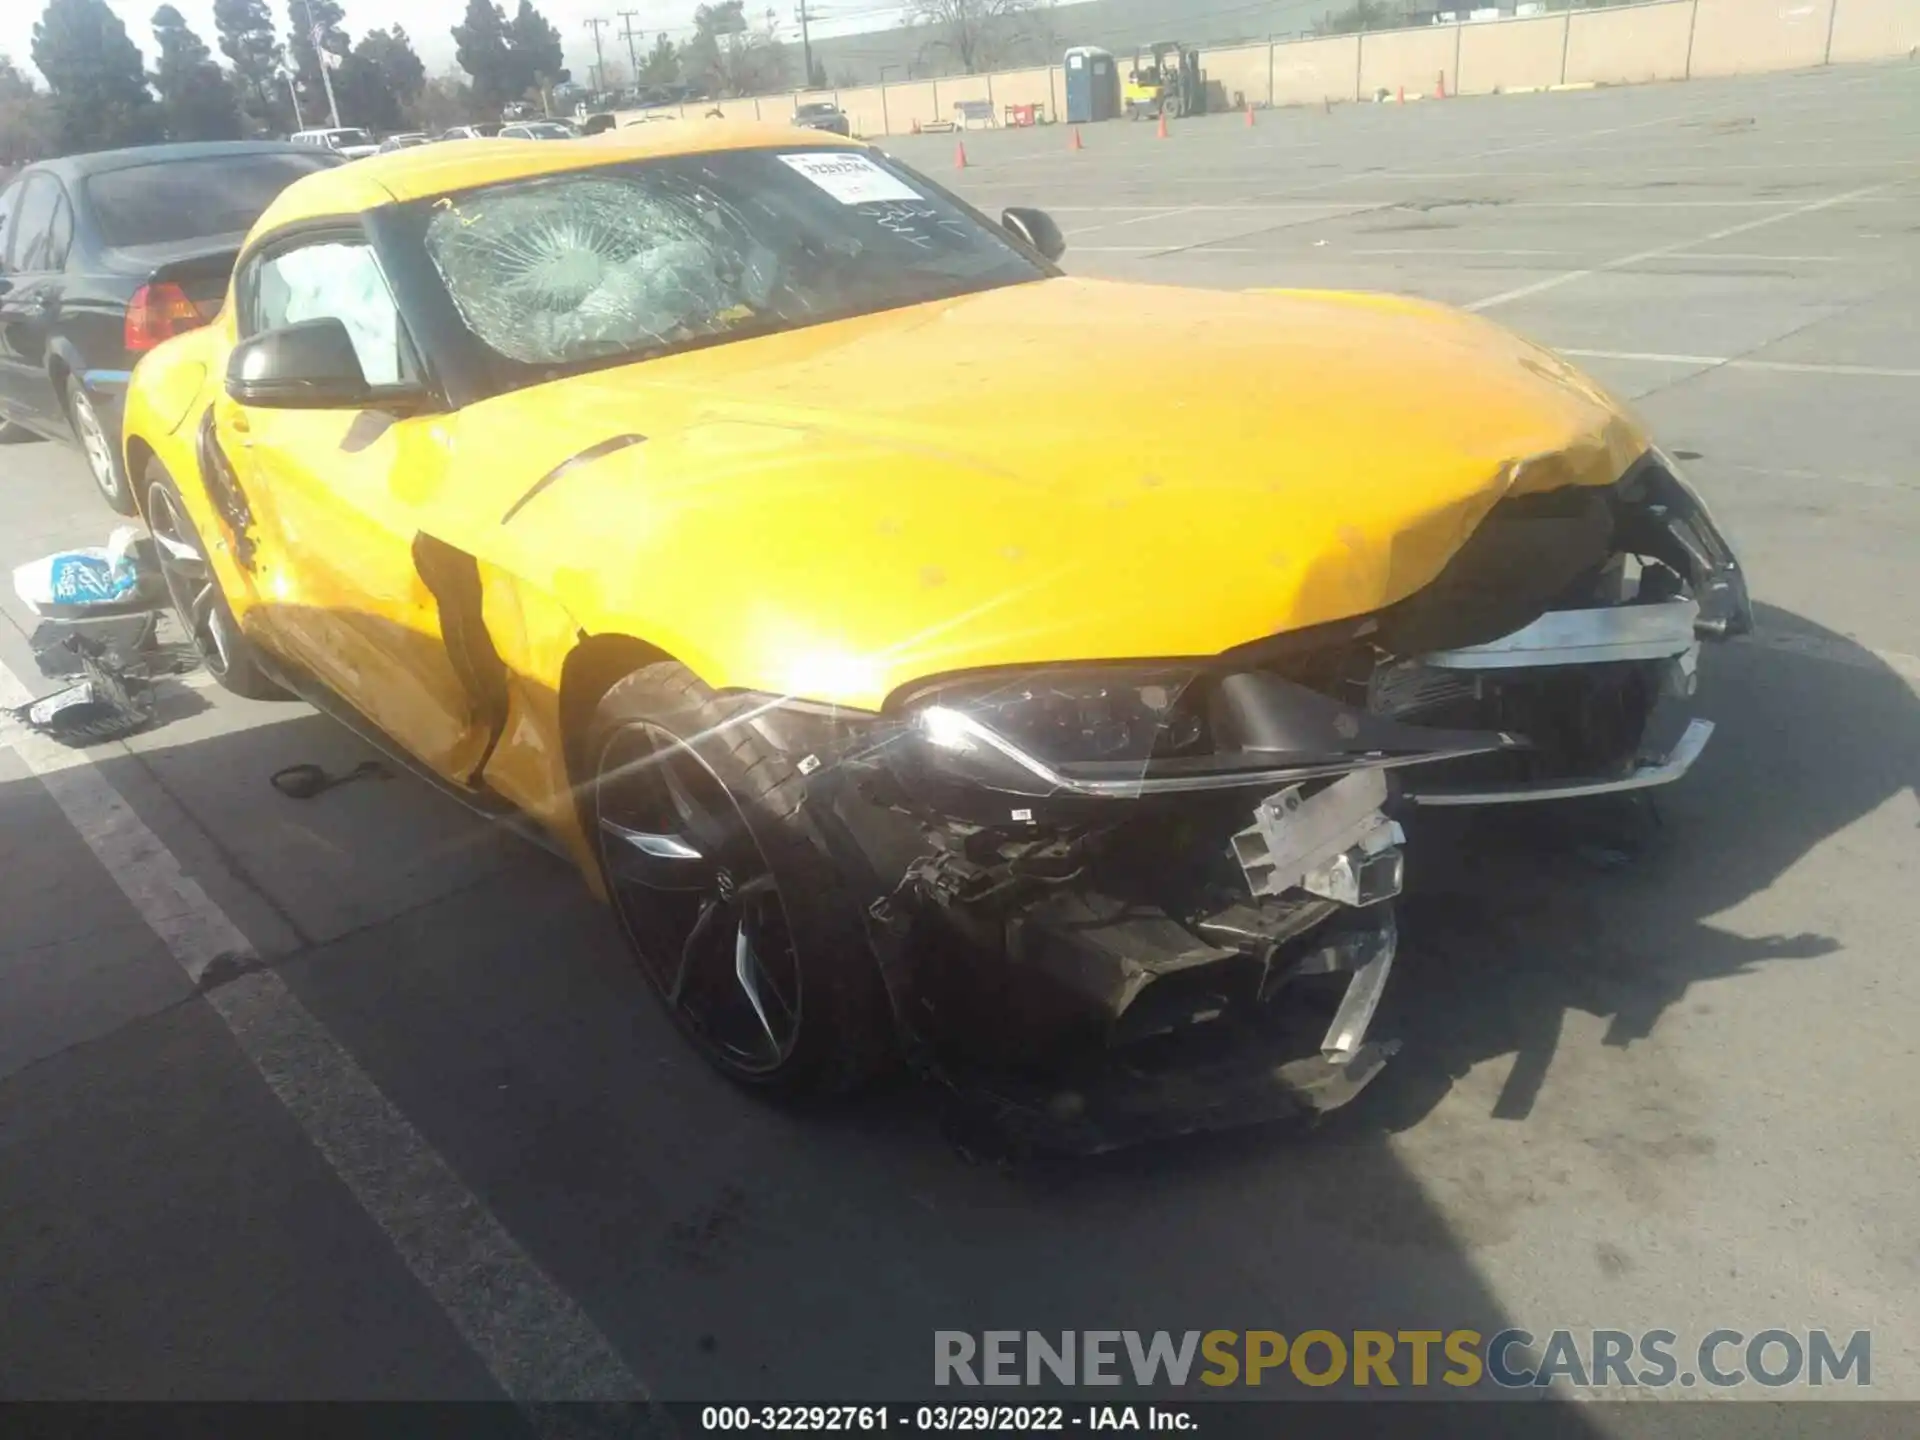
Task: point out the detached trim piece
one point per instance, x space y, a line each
1643 777
587 456
1582 637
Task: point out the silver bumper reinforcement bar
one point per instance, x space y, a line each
1642 777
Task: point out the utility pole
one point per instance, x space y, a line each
316 35
293 94
806 45
633 60
599 59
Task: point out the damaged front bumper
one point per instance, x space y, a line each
1113 902
1632 655
1096 979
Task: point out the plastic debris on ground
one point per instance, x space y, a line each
112 700
117 578
100 630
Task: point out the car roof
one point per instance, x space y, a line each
98 162
431 170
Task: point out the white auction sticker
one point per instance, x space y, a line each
851 179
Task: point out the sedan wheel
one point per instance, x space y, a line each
700 905
98 448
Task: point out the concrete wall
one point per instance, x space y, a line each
1517 54
1636 43
1738 37
1871 29
1310 71
1030 87
910 102
1413 58
962 87
1242 70
867 111
1668 40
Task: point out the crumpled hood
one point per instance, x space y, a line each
1065 470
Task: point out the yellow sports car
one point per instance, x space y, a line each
774 534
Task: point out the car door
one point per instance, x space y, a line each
36 259
340 494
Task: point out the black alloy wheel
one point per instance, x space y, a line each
699 903
194 592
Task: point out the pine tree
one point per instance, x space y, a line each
98 80
247 39
29 128
480 46
196 100
535 51
662 65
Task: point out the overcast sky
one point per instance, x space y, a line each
428 22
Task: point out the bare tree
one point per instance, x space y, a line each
977 33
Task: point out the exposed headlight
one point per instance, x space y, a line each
1124 731
1013 732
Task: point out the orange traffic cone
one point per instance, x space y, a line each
916 127
1440 86
1249 114
1326 104
1074 144
1162 131
959 154
1403 94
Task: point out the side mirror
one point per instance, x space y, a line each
307 366
1037 228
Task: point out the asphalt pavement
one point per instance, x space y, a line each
439 1142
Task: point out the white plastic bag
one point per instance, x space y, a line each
72 581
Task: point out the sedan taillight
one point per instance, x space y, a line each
159 312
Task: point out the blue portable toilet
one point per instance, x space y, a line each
1093 85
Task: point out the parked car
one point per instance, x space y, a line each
597 124
819 115
102 257
538 130
485 130
641 491
404 141
347 140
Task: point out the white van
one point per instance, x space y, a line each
347 140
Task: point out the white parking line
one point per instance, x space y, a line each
536 1342
1552 254
1731 362
1554 282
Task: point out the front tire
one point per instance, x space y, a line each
102 451
727 897
194 590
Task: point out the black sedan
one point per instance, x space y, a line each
820 115
102 257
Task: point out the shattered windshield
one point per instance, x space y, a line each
627 261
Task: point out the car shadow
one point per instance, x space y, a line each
1515 916
753 1251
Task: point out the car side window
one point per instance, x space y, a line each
9 202
338 279
33 223
59 236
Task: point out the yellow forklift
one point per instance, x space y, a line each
1165 80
